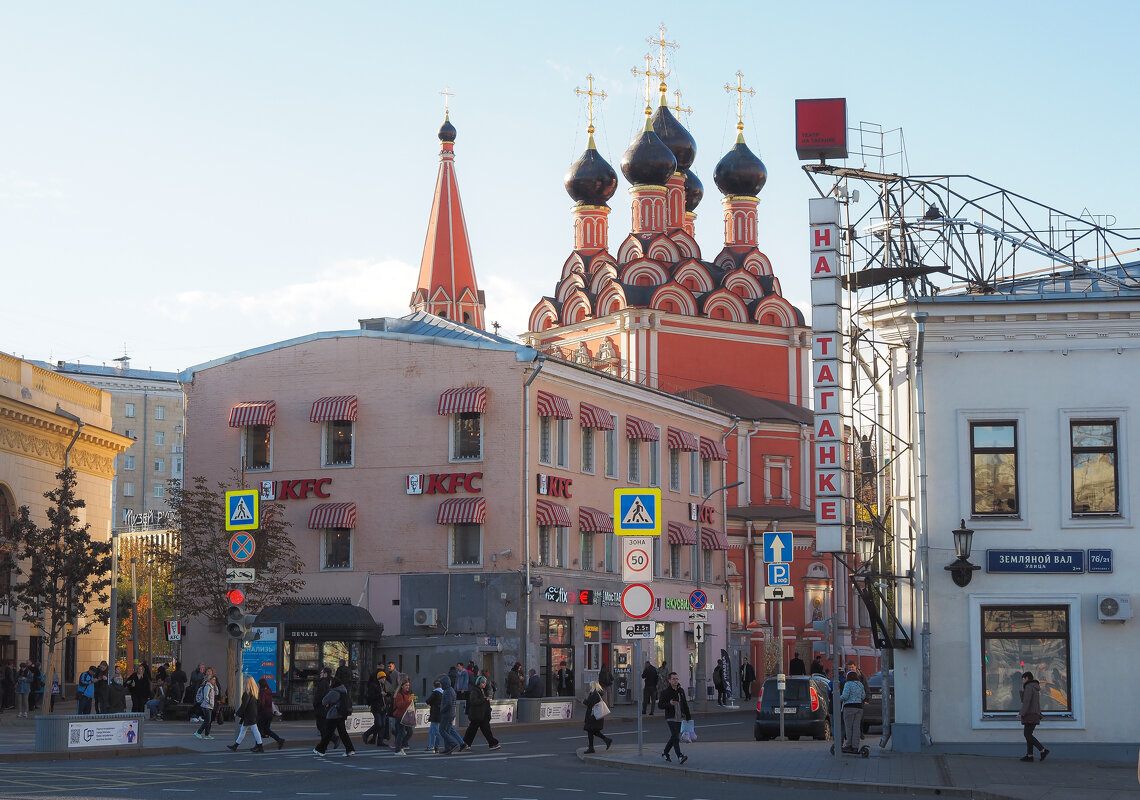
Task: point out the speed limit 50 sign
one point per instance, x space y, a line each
637 559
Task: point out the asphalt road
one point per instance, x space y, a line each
533 764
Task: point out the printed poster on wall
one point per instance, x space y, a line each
103 733
553 711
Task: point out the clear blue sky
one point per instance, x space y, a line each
187 180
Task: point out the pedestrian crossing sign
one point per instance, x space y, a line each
637 512
242 511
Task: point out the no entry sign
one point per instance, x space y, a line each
637 600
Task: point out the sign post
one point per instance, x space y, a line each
778 554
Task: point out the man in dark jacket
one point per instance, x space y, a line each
1030 715
564 680
451 740
533 685
514 682
320 713
676 707
337 708
649 693
747 677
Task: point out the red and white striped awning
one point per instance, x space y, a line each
550 514
712 539
334 408
592 416
551 405
262 412
637 428
463 400
681 534
458 510
713 450
332 515
681 440
594 520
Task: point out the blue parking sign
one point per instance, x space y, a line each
779 575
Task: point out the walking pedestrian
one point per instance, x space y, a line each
479 715
206 696
797 666
451 740
376 696
1030 715
564 680
338 709
246 717
433 701
594 725
851 701
23 691
401 704
320 713
747 676
649 692
676 708
265 712
718 682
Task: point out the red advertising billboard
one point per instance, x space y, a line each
821 128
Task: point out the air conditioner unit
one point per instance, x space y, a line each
426 617
1113 607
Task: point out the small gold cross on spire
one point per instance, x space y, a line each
590 95
740 92
680 109
648 73
662 58
447 95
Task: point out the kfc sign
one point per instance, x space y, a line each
443 483
554 486
296 489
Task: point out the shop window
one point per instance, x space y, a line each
257 447
674 470
467 436
339 441
1025 638
552 546
993 456
336 548
655 461
694 474
588 451
586 548
1095 475
466 545
612 450
634 463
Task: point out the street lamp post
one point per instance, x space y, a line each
703 695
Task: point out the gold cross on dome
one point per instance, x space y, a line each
662 58
740 92
447 95
649 73
680 109
590 95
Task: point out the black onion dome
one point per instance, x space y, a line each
679 141
648 161
446 131
694 190
740 171
591 180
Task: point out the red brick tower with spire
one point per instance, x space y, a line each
446 285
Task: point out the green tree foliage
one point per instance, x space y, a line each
199 562
62 573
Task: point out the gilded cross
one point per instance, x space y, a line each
447 95
649 73
740 92
680 109
662 59
590 95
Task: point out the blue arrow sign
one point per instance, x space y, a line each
779 574
778 547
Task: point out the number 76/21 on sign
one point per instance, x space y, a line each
637 559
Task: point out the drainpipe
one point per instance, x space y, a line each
524 640
59 410
919 458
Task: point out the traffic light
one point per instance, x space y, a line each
237 622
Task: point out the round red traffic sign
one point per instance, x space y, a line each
637 560
637 600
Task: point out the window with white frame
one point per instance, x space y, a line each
160 412
675 560
694 473
129 410
338 447
257 447
1026 638
160 465
158 490
466 545
655 461
613 552
545 440
588 450
160 438
675 470
586 548
128 488
706 475
336 548
562 443
1095 477
128 462
552 546
612 450
467 436
633 464
993 472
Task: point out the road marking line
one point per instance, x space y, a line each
496 783
619 794
531 786
562 789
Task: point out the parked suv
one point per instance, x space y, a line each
805 710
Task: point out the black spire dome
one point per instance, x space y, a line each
648 161
679 141
446 130
694 190
591 180
740 172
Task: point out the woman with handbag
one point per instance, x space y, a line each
596 712
246 717
265 710
479 714
404 711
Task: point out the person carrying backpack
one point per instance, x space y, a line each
205 697
338 709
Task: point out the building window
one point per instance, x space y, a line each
257 449
552 546
694 473
706 475
588 450
176 468
128 462
158 490
336 548
130 434
562 443
160 412
338 435
613 552
160 438
128 489
675 560
695 560
160 465
129 410
467 436
545 437
586 547
634 463
612 450
675 470
657 556
655 461
1017 639
466 545
708 565
1096 478
993 454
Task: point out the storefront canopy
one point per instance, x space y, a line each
551 405
463 400
256 412
592 416
681 440
342 407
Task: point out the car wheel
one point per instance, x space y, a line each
826 732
